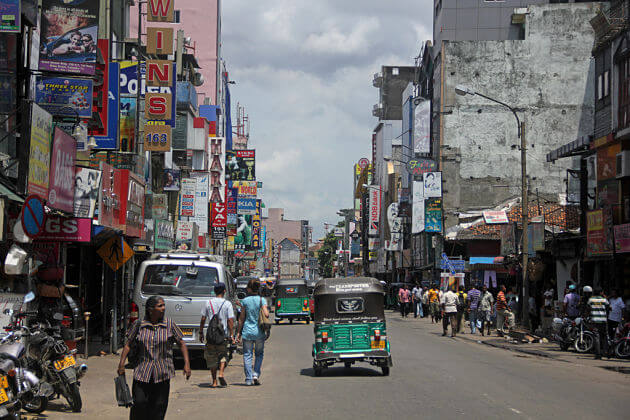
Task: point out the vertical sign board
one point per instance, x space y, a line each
219 221
201 202
231 212
433 215
109 139
375 209
62 161
256 220
187 197
39 156
599 241
417 207
216 159
159 41
422 128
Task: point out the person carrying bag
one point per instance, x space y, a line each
252 330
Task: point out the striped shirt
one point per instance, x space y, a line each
155 349
598 307
501 301
473 297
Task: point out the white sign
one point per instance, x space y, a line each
187 197
433 185
202 188
184 231
375 209
421 128
417 207
495 217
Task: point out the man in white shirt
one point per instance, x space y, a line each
616 311
448 301
216 354
416 295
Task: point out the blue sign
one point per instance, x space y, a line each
447 264
64 96
246 206
33 216
110 141
10 15
457 265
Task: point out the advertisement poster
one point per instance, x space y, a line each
64 96
69 30
62 161
164 235
243 231
246 205
171 179
187 197
160 206
622 238
87 183
127 124
433 215
422 128
66 229
219 221
432 184
246 188
508 239
10 13
417 207
598 238
374 209
201 202
231 212
39 156
421 166
606 161
240 165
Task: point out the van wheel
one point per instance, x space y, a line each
385 370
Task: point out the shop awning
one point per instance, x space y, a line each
7 193
486 260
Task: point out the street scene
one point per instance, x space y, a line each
293 209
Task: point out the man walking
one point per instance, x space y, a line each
216 353
571 303
474 295
461 308
599 306
485 308
449 311
416 296
434 304
503 312
404 298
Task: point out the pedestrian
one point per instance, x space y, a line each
616 311
250 332
449 311
216 352
503 313
461 309
434 304
404 299
512 300
474 295
425 302
485 308
153 338
534 312
416 296
599 305
571 303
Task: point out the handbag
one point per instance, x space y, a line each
123 395
133 357
264 323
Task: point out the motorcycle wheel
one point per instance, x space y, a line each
622 349
564 346
37 405
584 344
74 397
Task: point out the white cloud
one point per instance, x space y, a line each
332 40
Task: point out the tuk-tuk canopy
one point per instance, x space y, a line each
352 285
291 288
291 282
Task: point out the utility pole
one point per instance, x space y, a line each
525 217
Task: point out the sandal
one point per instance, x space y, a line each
222 381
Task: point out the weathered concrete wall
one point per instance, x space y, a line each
548 76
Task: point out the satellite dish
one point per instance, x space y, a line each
197 79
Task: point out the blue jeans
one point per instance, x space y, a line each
418 309
472 316
251 347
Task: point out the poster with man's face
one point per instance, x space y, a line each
86 185
171 179
69 31
433 184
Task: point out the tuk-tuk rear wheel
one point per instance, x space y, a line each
308 320
277 321
317 370
348 365
290 320
385 370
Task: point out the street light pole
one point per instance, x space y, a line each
463 91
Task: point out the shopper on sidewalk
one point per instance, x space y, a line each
434 304
153 338
216 353
461 309
474 296
449 311
485 309
252 335
616 312
404 299
599 306
503 313
416 296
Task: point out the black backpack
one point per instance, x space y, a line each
215 334
461 302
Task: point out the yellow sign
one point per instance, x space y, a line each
39 157
115 252
157 138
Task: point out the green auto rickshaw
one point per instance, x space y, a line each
350 324
292 301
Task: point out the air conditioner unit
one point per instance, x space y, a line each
623 164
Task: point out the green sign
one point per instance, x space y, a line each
164 235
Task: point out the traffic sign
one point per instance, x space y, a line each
458 265
32 216
115 252
448 264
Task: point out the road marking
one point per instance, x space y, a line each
515 410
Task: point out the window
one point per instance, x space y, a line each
624 98
350 305
170 280
600 89
606 83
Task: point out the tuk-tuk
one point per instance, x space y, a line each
292 301
310 287
241 286
350 324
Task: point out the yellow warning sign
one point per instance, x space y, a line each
115 252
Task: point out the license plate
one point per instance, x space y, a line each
64 363
187 332
3 396
4 383
378 344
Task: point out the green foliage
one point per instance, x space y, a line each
327 255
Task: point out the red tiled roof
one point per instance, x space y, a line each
556 215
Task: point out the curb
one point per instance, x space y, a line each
538 353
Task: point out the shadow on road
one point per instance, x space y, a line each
337 372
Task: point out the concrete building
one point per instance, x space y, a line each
290 258
548 76
278 228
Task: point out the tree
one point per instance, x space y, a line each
327 255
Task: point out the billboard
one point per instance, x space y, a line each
246 188
599 241
201 202
243 236
240 165
433 215
421 166
69 32
62 161
231 211
164 235
374 209
422 128
256 223
87 183
64 96
417 207
246 205
127 124
10 11
187 197
219 221
432 184
493 217
39 156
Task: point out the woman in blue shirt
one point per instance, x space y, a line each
251 334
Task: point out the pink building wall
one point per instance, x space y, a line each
200 21
278 228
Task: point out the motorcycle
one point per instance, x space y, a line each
564 332
584 337
622 342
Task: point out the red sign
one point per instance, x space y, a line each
61 175
246 153
599 241
622 238
98 122
131 213
66 229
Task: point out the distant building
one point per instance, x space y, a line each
290 258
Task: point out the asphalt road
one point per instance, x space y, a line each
432 377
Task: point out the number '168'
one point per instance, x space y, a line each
156 139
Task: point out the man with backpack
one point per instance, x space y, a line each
461 308
220 331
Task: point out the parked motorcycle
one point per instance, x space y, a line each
622 342
564 332
584 337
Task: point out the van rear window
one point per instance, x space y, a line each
170 279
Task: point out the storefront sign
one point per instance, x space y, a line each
187 197
164 235
87 183
433 215
159 40
606 161
495 217
246 205
421 166
160 206
256 222
106 137
219 221
127 123
157 138
374 209
246 188
622 238
184 231
132 206
598 233
69 31
62 177
432 184
231 212
66 229
64 96
201 201
160 10
422 128
536 238
240 165
508 239
108 197
39 157
10 15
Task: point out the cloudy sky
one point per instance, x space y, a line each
303 71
